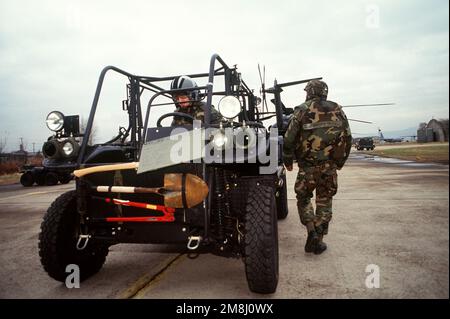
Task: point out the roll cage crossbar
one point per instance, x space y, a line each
234 85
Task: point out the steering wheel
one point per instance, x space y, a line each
180 114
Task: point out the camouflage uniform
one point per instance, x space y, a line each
197 110
319 137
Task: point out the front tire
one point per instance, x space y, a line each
58 238
27 179
261 240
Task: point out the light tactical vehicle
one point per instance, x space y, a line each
228 208
365 143
60 153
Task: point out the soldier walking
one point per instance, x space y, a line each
319 138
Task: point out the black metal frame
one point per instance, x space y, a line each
234 85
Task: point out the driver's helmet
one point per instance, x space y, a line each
185 82
316 88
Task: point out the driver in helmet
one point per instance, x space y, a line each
189 102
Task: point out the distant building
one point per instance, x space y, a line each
18 156
21 156
434 131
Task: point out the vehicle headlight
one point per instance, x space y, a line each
244 137
220 140
50 149
69 148
229 106
55 121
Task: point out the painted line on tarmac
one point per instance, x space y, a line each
393 199
139 288
383 199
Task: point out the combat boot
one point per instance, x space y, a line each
312 239
320 246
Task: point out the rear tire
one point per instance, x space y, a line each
51 179
282 201
65 179
40 179
261 240
27 179
58 238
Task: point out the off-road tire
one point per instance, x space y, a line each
27 179
58 237
261 240
51 179
282 201
40 179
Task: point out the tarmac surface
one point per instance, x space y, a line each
390 217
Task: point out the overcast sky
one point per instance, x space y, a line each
51 54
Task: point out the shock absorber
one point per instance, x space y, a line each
229 221
219 199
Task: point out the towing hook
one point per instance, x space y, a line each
194 242
281 170
280 182
82 241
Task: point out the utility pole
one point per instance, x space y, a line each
33 147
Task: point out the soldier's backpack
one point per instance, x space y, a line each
324 128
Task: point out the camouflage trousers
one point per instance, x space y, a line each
322 179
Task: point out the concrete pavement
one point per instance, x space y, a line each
392 215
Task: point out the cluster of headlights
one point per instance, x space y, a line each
241 137
67 148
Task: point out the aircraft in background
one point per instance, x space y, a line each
388 140
284 114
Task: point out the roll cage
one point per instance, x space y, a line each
234 85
